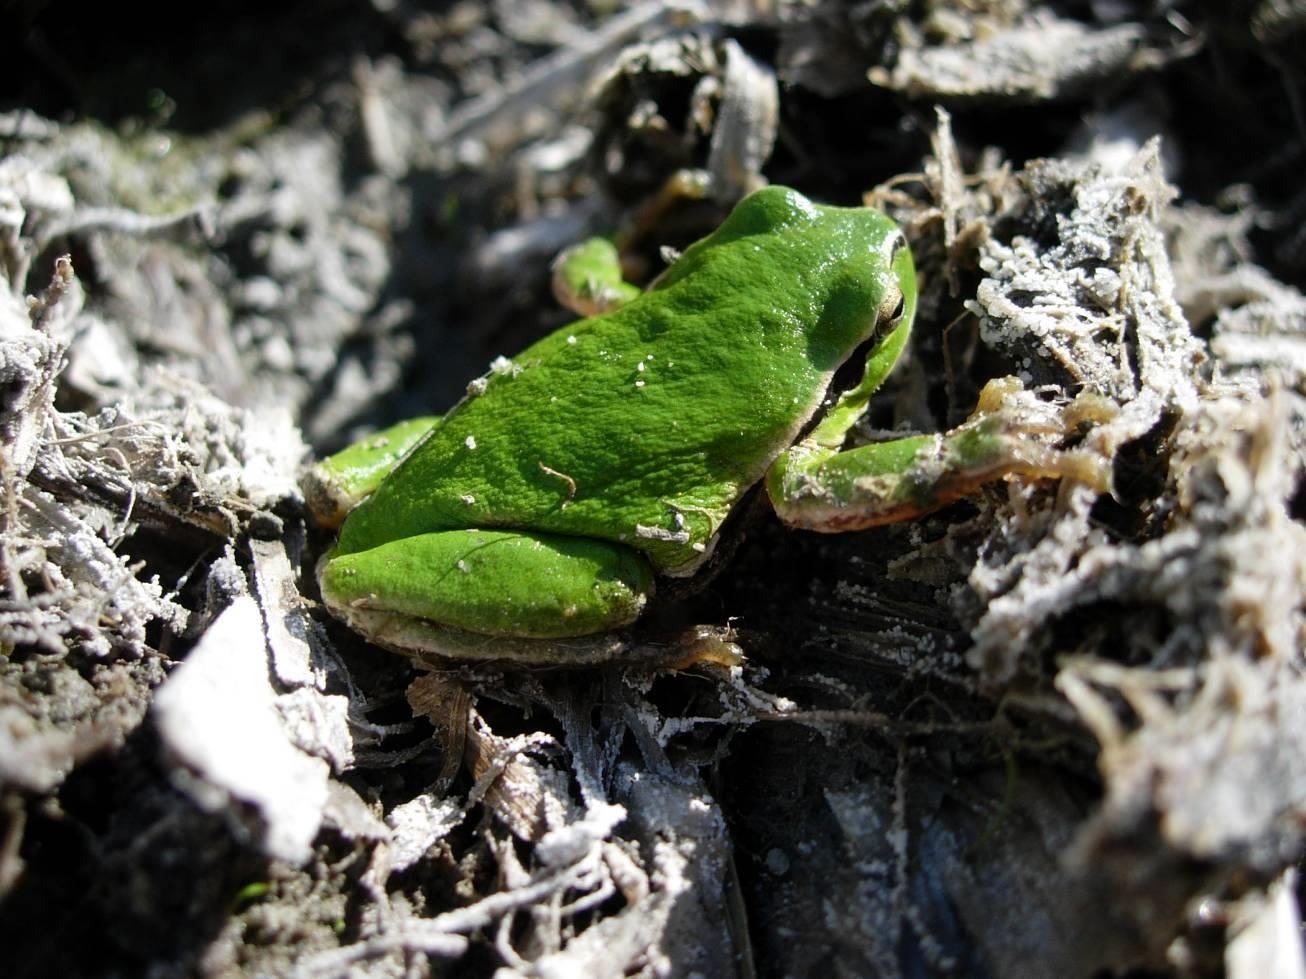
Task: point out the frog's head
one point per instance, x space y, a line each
869 305
857 262
847 274
845 271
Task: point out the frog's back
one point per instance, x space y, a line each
644 425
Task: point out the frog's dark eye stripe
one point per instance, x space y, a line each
896 244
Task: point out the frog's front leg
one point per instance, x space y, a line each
497 583
1011 432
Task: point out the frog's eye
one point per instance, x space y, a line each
898 308
892 307
894 303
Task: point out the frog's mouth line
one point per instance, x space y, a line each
851 371
847 376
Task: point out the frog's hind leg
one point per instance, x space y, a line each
495 583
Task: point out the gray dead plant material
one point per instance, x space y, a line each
76 487
1177 634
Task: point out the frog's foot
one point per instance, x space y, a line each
507 596
1011 433
338 483
587 278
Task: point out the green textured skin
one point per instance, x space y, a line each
644 426
573 586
